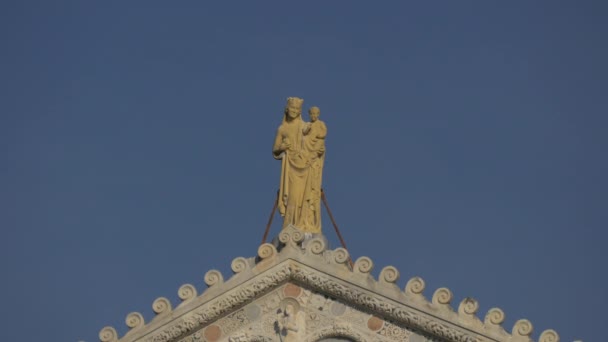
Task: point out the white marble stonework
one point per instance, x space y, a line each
298 290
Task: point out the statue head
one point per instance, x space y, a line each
314 113
293 109
289 310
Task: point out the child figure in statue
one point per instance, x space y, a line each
316 133
314 139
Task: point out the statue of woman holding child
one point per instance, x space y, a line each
301 147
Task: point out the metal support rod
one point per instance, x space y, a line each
331 217
274 208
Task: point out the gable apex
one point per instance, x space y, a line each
306 262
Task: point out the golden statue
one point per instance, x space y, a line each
301 147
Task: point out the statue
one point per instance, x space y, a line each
290 321
301 147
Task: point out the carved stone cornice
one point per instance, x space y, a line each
379 305
308 263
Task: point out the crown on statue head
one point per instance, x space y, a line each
295 101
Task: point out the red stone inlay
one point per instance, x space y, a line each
374 323
291 290
213 333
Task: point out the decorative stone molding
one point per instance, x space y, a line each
341 255
161 306
315 246
291 236
186 293
338 330
442 296
492 324
466 313
549 336
244 337
389 275
225 303
495 316
522 330
364 265
305 261
414 288
239 265
468 307
267 251
377 304
213 277
108 334
134 320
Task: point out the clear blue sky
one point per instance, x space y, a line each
467 145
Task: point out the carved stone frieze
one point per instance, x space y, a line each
222 305
368 301
328 296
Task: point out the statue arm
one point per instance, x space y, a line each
278 146
306 128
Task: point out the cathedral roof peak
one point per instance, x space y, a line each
304 260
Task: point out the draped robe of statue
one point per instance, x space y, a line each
298 200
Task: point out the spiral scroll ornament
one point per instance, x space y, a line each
389 274
297 236
468 306
186 292
161 305
364 265
213 277
316 246
134 320
238 265
266 250
495 316
549 336
108 334
523 327
284 236
442 295
415 285
340 255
